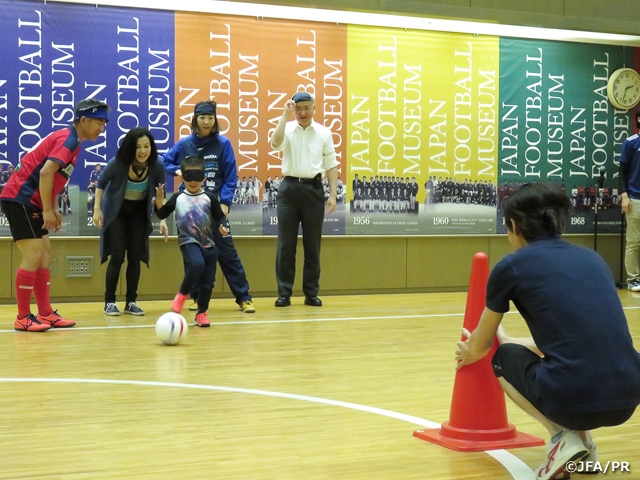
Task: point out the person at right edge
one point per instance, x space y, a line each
630 193
308 153
579 369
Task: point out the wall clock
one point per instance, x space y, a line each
623 88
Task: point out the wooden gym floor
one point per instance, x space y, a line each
292 393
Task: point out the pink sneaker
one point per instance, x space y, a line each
55 320
202 320
178 302
30 324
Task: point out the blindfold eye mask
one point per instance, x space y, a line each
193 175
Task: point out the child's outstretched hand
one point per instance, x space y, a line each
159 195
224 231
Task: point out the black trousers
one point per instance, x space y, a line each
127 234
300 204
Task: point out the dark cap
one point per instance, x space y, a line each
302 97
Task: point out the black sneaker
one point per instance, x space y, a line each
132 308
111 309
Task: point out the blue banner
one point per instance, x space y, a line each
54 55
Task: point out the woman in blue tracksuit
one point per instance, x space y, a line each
206 142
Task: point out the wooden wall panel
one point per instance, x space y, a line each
350 265
442 262
6 268
361 263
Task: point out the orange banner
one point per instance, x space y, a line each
250 67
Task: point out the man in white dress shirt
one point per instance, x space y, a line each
308 154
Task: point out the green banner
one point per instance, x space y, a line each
556 124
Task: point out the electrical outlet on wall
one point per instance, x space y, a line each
79 267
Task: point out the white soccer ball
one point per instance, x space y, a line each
171 328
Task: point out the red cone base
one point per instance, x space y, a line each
463 440
478 417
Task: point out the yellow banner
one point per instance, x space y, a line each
421 105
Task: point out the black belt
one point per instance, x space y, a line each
317 178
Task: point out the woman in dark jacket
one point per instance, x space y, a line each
123 208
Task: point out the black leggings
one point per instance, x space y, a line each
126 234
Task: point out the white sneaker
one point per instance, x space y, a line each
634 285
569 448
193 307
592 458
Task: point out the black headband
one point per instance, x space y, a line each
193 175
205 109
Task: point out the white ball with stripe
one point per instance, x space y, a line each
171 328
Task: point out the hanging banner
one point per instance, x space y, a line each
556 124
53 56
251 67
423 130
433 130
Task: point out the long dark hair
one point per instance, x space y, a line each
537 209
127 151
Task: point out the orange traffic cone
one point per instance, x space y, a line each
478 416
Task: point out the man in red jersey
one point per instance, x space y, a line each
28 201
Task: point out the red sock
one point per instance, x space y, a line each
41 291
25 281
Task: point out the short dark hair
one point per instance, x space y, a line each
302 97
87 105
192 163
127 151
194 121
537 209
